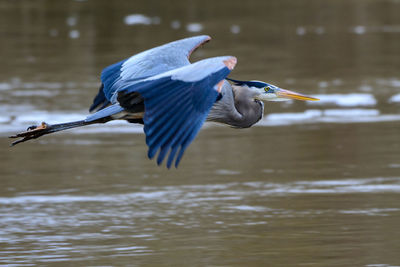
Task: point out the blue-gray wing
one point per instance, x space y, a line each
177 104
146 64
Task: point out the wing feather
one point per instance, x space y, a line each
146 64
177 103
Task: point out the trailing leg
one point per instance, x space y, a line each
34 131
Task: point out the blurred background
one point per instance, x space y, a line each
313 184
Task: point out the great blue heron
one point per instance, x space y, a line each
161 89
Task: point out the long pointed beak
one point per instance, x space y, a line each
293 95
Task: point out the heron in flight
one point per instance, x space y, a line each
172 98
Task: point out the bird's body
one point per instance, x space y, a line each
172 97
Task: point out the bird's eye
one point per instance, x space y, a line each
267 89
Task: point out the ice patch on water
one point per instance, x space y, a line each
19 121
301 30
370 212
366 88
249 208
130 248
17 83
72 21
175 24
4 119
117 126
41 93
78 142
351 112
394 99
226 172
326 183
194 27
77 198
14 110
345 100
393 82
359 29
323 84
5 86
235 29
140 19
291 117
18 118
50 117
327 116
365 185
74 34
50 199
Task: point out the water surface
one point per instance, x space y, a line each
313 184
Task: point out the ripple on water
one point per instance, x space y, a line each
227 172
179 194
51 222
370 212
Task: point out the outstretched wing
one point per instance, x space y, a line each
146 64
177 104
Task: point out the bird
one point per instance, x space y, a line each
172 97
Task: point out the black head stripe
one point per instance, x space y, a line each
249 83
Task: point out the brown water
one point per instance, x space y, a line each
312 185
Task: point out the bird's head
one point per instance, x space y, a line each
268 92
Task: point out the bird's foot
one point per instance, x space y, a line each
32 127
32 132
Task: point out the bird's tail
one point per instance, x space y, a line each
34 132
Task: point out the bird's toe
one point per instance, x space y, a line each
32 127
42 126
32 132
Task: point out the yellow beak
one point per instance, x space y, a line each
293 95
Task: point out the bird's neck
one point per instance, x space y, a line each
250 108
236 108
